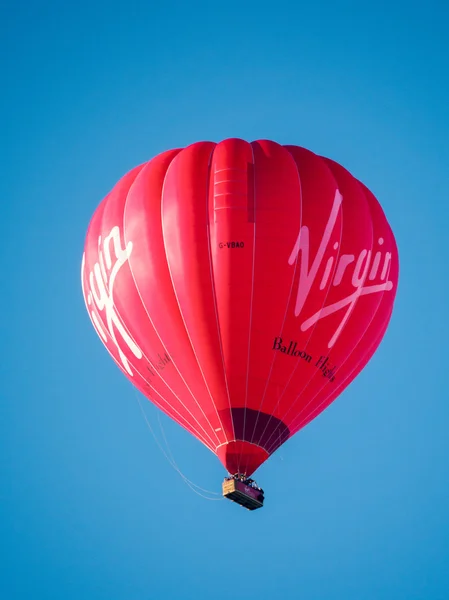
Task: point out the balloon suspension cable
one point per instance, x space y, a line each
169 456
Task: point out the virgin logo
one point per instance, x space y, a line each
364 270
100 294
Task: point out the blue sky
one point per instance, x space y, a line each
357 503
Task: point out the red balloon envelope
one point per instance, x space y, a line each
241 287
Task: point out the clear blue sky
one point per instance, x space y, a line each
358 502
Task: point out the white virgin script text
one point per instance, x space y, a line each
101 291
364 270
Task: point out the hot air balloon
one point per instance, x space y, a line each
240 287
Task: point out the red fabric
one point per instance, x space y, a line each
241 287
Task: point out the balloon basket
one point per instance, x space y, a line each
239 492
